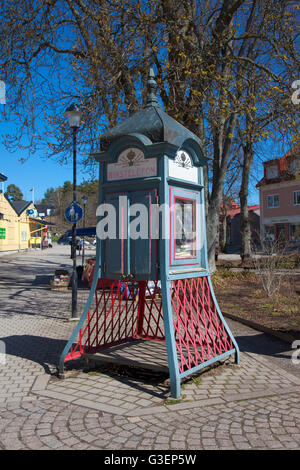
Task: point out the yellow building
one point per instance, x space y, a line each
20 226
14 224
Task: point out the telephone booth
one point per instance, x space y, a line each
151 279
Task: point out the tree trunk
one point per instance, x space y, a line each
244 217
223 227
222 147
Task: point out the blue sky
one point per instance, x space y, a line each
36 172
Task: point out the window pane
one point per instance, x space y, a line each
296 197
273 201
185 240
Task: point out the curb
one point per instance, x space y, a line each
264 329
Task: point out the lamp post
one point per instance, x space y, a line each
84 201
73 114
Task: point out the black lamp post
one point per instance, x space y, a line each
84 201
73 114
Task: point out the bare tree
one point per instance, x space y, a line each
97 52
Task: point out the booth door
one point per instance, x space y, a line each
115 245
134 250
143 244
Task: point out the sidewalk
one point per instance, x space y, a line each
252 406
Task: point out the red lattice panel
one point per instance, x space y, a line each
150 322
122 311
111 321
200 334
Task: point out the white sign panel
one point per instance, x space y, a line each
2 93
131 164
182 167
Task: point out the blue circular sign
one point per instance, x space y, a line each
74 213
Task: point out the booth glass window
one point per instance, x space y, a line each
185 224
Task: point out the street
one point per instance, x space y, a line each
252 406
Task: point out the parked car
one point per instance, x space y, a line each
68 241
63 240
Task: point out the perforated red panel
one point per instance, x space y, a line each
200 334
122 311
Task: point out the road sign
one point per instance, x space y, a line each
74 213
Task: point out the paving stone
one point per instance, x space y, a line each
254 405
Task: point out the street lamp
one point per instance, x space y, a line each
73 114
84 201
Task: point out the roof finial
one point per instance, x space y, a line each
151 88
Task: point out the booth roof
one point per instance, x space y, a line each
151 121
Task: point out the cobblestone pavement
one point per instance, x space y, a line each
252 406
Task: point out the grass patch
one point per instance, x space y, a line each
93 373
175 401
196 381
241 294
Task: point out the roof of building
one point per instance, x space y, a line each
20 206
293 151
44 207
151 122
237 209
282 163
2 178
40 221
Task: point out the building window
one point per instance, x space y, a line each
273 201
295 232
295 165
24 236
296 198
272 171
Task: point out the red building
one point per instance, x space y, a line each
279 192
233 230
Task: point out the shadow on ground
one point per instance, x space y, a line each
46 352
265 345
41 350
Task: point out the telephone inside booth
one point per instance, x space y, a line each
151 279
